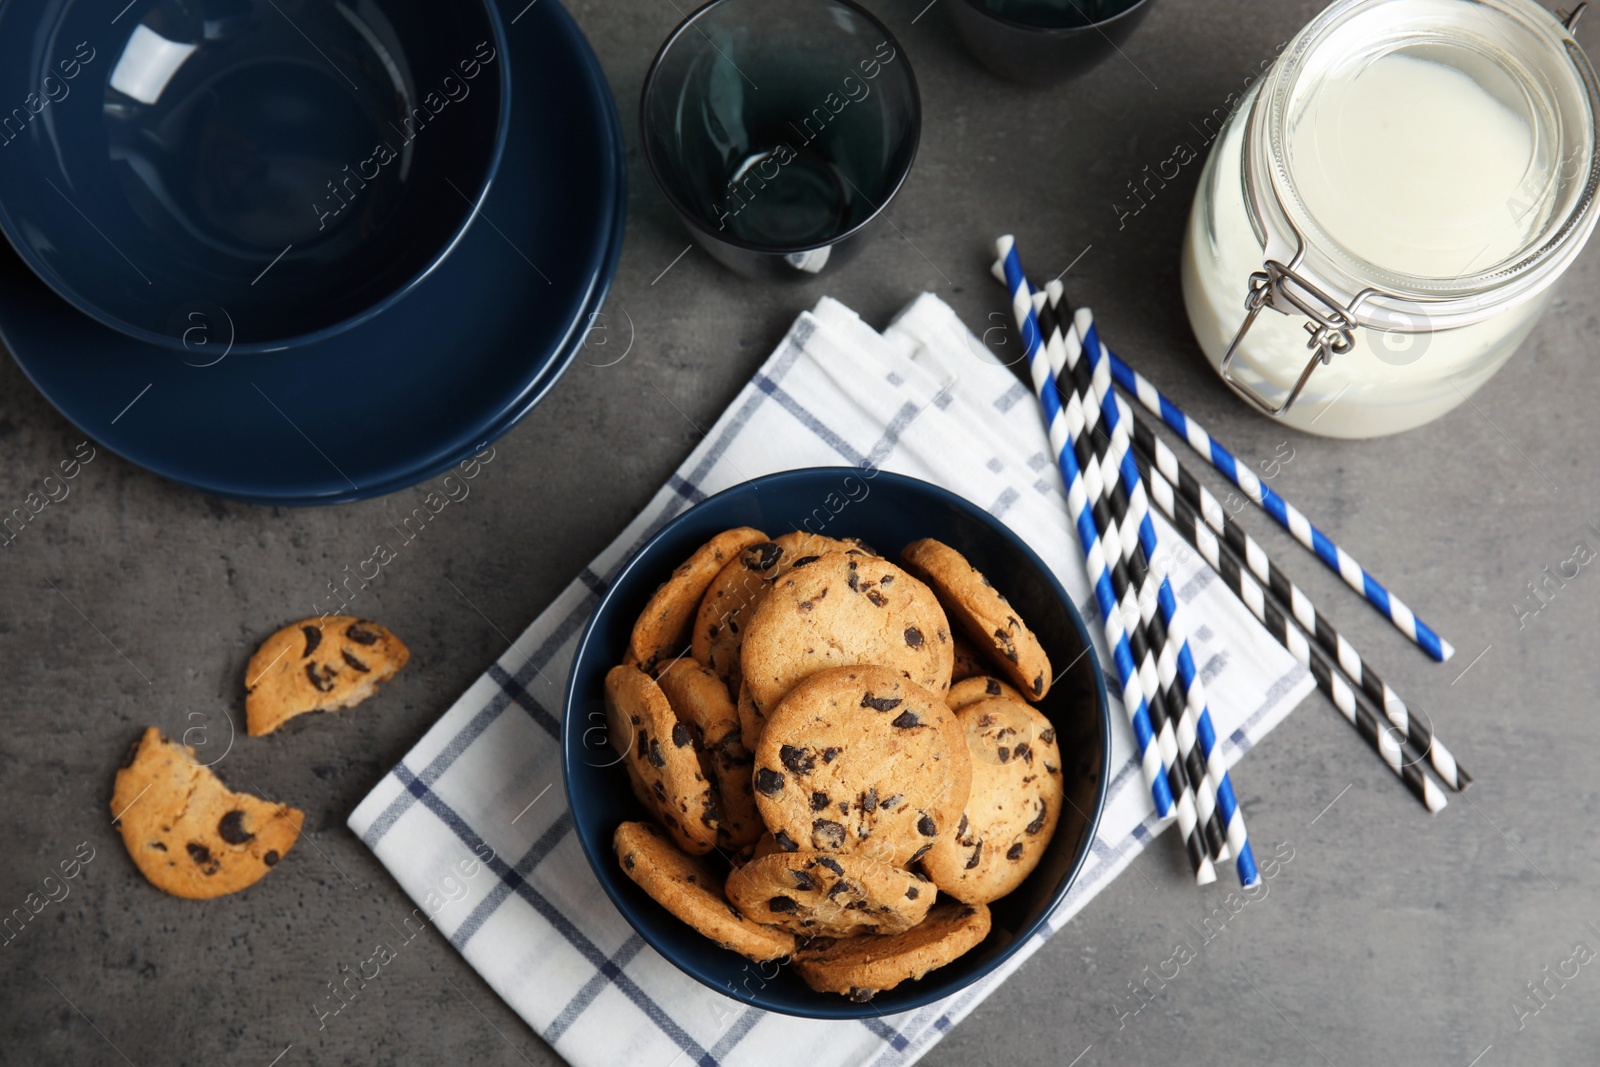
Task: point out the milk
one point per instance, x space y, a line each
1417 161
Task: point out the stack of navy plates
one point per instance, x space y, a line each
301 251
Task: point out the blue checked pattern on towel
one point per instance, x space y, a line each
473 822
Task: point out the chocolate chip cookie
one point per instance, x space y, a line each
979 687
701 703
838 610
663 764
858 759
691 890
1013 805
318 665
188 834
662 630
863 966
738 589
986 616
826 894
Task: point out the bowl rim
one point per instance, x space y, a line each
826 1007
1063 31
691 217
12 229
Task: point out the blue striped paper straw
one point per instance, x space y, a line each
1286 514
1094 554
1177 634
1185 776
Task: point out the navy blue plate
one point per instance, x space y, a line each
299 163
888 511
411 392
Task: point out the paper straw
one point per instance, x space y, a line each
1297 604
1094 554
1286 514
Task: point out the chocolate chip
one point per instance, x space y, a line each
271 858
1038 823
803 561
692 880
680 735
1047 735
820 801
627 861
733 627
880 703
782 904
354 662
977 855
918 854
660 791
1014 852
657 760
887 579
1023 752
713 630
877 599
313 639
199 853
798 760
710 814
854 580
359 635
830 754
785 842
803 881
158 844
1038 684
825 833
912 892
857 905
992 687
913 637
890 801
961 829
830 863
868 801
322 684
769 782
1003 639
1003 752
927 827
841 886
762 557
906 720
231 828
861 996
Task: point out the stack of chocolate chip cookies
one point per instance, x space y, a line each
835 773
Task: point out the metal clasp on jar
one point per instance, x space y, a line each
1332 326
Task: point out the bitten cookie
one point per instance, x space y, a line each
857 759
702 704
188 834
979 687
823 894
1013 806
690 890
980 610
662 630
318 665
861 967
663 764
839 610
738 590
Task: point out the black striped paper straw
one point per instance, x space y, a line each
1298 605
1129 576
1396 751
1205 838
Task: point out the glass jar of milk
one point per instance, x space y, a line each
1382 219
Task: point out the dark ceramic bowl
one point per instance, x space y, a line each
887 511
289 167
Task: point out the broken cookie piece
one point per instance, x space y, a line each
318 665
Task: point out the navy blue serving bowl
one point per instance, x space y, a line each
888 511
291 167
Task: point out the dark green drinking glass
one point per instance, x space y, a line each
779 129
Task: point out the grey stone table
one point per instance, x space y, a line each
1390 937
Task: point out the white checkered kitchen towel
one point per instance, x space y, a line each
473 823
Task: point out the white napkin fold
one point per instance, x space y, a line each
473 822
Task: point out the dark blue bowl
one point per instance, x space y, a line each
293 167
887 511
